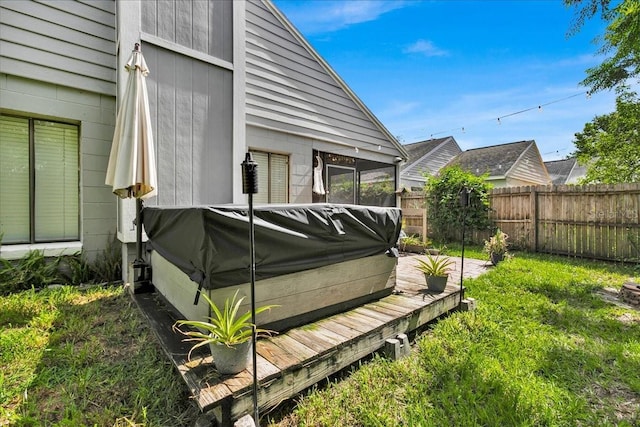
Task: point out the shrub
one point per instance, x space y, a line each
443 200
31 271
34 270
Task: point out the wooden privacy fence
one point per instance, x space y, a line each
593 221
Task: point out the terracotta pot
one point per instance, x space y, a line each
436 283
231 360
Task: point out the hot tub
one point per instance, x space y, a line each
312 260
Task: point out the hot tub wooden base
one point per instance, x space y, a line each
301 297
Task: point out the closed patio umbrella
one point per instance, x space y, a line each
131 171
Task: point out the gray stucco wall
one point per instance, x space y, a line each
95 114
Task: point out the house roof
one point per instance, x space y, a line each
496 160
418 149
565 171
428 156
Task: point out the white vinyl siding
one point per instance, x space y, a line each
39 168
273 177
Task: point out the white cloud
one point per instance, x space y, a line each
399 108
318 17
426 48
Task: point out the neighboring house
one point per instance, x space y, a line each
566 171
225 77
506 165
427 157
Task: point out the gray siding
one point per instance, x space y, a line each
64 42
192 119
530 168
300 159
202 25
95 114
290 90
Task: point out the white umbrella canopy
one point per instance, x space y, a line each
132 163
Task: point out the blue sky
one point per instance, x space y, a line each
439 68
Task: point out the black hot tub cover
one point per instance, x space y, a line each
211 243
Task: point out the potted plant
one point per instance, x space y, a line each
496 246
227 334
436 271
413 243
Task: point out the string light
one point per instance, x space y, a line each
538 107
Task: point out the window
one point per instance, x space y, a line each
39 177
273 177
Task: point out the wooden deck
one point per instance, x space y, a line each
290 362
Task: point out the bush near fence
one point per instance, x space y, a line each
592 221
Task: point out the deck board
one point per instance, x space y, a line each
339 328
301 351
277 355
290 362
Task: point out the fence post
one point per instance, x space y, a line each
534 218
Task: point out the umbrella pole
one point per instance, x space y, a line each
141 281
138 231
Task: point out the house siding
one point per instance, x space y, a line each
203 26
192 122
68 43
288 89
530 168
190 99
95 115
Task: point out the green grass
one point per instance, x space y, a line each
470 251
77 358
542 349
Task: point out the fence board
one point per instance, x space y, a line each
593 221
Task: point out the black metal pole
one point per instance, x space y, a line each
250 187
464 202
253 311
464 220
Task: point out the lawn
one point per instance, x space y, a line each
72 357
543 348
